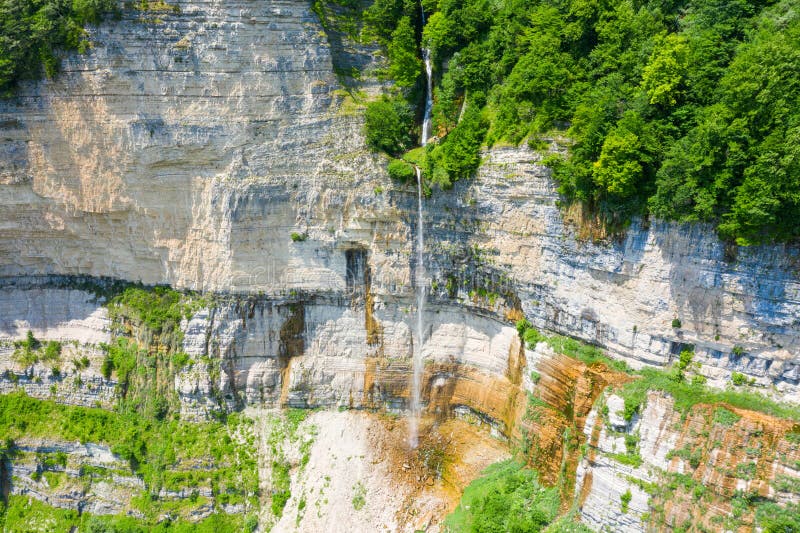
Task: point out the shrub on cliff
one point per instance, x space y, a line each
32 31
400 170
508 497
458 154
389 123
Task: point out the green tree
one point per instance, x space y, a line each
404 65
458 156
618 171
388 125
32 31
382 17
664 73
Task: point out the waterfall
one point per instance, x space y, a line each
421 282
426 121
416 382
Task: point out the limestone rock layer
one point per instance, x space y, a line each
213 148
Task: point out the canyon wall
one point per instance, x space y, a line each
213 148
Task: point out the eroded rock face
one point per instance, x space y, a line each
691 466
74 318
189 151
317 352
739 315
186 150
65 484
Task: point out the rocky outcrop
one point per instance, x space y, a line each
668 468
77 321
503 233
83 477
310 352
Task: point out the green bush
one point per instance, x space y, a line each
52 351
359 496
33 31
772 518
389 124
122 357
508 497
522 325
532 337
458 155
30 342
160 309
281 487
725 417
746 470
685 359
401 171
625 500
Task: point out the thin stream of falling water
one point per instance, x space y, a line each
416 384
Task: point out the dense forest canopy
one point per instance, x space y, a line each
683 109
32 31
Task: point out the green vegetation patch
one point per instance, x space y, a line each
508 497
671 381
165 454
33 31
145 372
683 110
359 496
401 171
389 125
773 518
573 348
160 309
32 516
689 453
725 417
688 394
31 351
285 429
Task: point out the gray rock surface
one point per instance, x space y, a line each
188 151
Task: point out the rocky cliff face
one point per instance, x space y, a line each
187 148
706 469
212 148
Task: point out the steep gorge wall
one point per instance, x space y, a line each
697 469
188 150
505 233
